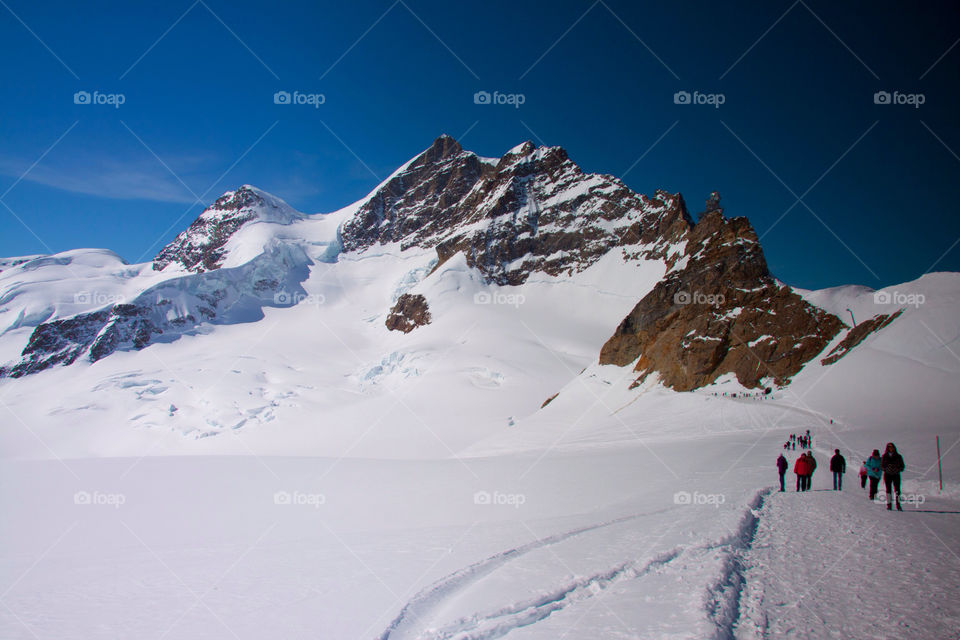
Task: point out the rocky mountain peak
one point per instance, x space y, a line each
443 147
532 210
719 311
521 150
201 246
712 204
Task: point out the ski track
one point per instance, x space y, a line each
500 622
404 624
723 596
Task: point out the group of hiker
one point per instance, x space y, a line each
804 440
889 466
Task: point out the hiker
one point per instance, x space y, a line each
874 471
892 464
801 468
782 469
813 467
794 445
863 475
786 445
838 465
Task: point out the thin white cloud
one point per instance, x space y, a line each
106 178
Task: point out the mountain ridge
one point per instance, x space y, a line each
532 211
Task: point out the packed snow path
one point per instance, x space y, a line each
829 564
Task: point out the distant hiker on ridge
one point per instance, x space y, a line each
782 469
863 475
838 465
874 472
892 463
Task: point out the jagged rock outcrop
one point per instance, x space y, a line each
858 334
202 245
532 210
720 311
712 204
410 311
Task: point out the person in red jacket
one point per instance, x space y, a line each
802 468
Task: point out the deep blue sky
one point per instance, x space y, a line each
597 78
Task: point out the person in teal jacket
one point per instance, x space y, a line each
874 472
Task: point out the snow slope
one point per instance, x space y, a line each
588 543
290 468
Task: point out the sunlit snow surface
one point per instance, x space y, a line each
303 472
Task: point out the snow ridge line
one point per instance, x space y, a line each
430 596
500 622
723 597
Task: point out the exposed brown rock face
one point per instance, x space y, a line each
720 312
532 210
549 400
419 203
409 312
858 334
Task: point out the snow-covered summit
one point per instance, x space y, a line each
202 246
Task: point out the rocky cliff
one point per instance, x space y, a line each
720 311
531 210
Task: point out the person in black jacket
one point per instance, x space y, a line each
782 469
892 465
813 467
838 465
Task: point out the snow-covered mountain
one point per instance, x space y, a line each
463 281
493 398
